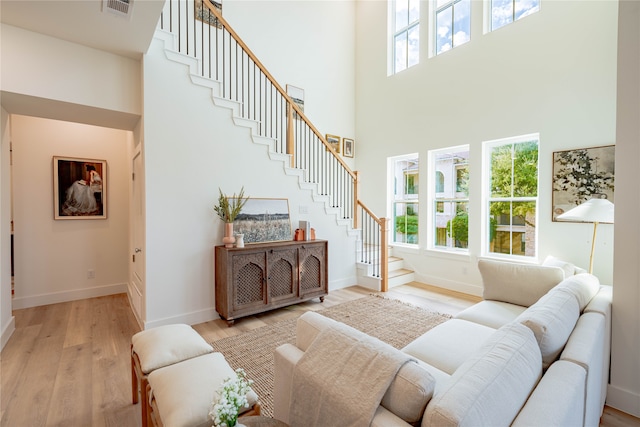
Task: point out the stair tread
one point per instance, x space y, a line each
399 272
395 258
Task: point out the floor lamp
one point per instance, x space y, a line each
595 211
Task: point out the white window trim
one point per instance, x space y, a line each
486 22
431 197
486 168
392 32
391 199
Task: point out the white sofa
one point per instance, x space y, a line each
534 352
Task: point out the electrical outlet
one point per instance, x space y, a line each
91 274
303 209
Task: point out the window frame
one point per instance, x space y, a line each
435 198
395 32
434 24
395 198
487 199
489 15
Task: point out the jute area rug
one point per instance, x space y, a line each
391 321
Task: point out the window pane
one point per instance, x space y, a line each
414 46
461 22
501 171
526 8
501 13
405 223
512 228
525 165
401 52
444 30
524 222
462 180
402 14
439 182
414 10
440 3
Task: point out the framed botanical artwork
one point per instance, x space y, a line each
264 220
79 188
334 141
580 175
347 147
297 95
204 14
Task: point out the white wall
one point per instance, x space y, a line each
309 44
553 72
624 391
46 67
191 149
52 258
7 321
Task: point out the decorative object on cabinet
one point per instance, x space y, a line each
79 188
334 141
264 220
348 147
580 175
265 276
228 209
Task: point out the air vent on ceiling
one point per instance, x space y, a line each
118 7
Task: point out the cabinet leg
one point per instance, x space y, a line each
230 322
321 299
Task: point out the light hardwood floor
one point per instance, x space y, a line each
68 364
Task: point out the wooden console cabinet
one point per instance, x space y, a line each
265 276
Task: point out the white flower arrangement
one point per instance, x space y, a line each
231 397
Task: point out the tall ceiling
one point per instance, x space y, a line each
87 22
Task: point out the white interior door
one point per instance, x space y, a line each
137 225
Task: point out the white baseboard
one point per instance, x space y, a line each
451 285
192 318
7 332
623 400
65 296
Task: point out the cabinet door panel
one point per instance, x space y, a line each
312 269
249 275
282 276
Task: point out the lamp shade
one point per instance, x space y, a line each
593 210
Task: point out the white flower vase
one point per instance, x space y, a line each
239 240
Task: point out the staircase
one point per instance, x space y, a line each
219 60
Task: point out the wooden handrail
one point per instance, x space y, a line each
371 214
275 84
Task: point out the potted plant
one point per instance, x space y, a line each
230 399
228 208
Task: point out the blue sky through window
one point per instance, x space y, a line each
504 12
453 24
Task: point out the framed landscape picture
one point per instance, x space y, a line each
79 188
580 175
334 141
264 220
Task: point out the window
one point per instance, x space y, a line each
504 12
451 197
512 202
453 24
405 15
403 172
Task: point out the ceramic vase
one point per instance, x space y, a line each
239 240
228 238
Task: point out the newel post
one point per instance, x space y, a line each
356 197
384 254
290 141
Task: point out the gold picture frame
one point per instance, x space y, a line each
334 142
79 188
348 147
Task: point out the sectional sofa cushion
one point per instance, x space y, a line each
521 284
449 344
552 319
583 286
492 385
493 314
568 268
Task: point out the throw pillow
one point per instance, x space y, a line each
568 268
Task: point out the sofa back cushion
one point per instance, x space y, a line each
521 284
490 387
551 320
583 286
409 392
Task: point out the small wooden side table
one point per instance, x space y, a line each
261 421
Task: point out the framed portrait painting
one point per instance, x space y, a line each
347 148
79 188
580 175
